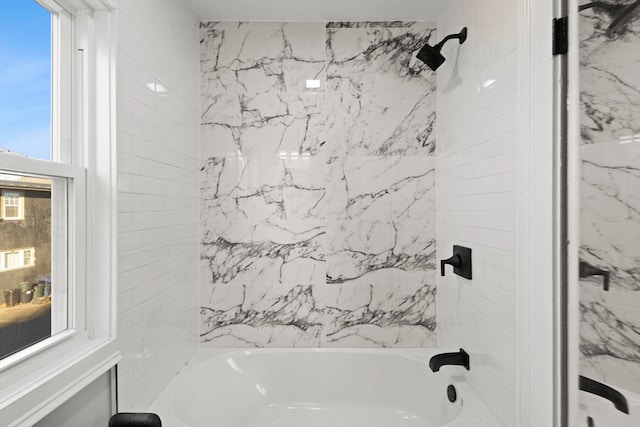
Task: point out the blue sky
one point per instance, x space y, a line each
25 78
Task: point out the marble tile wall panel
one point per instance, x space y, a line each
610 196
381 315
382 102
609 77
261 315
332 315
610 241
317 205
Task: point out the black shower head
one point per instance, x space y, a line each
431 55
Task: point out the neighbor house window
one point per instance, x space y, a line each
27 257
19 258
12 205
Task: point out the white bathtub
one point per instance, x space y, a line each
318 388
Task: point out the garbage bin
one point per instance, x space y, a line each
47 286
26 297
26 292
38 291
12 297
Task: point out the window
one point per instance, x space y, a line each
41 188
56 151
27 257
18 258
12 205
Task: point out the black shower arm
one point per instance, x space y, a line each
460 36
598 4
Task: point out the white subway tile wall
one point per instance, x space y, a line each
158 120
475 195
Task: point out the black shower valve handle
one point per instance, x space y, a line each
605 280
455 261
460 261
587 270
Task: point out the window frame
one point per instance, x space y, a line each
21 252
38 379
20 205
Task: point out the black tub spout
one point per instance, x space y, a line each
460 358
603 390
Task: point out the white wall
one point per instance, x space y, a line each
89 407
476 197
158 194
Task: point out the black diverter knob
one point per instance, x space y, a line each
460 261
587 270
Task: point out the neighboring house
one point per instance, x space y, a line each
25 230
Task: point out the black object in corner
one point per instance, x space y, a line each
603 390
461 262
460 358
135 419
560 36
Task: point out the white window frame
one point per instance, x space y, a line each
20 205
21 255
35 381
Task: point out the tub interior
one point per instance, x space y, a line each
311 388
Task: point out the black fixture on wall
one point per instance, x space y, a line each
587 270
135 419
460 261
611 394
431 55
460 358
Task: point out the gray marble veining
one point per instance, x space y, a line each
610 241
317 202
609 78
610 198
382 100
379 24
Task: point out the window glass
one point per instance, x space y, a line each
27 257
32 306
12 260
37 276
25 79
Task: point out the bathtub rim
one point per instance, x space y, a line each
472 412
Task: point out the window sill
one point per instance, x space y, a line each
26 400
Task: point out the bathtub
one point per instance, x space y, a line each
318 388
